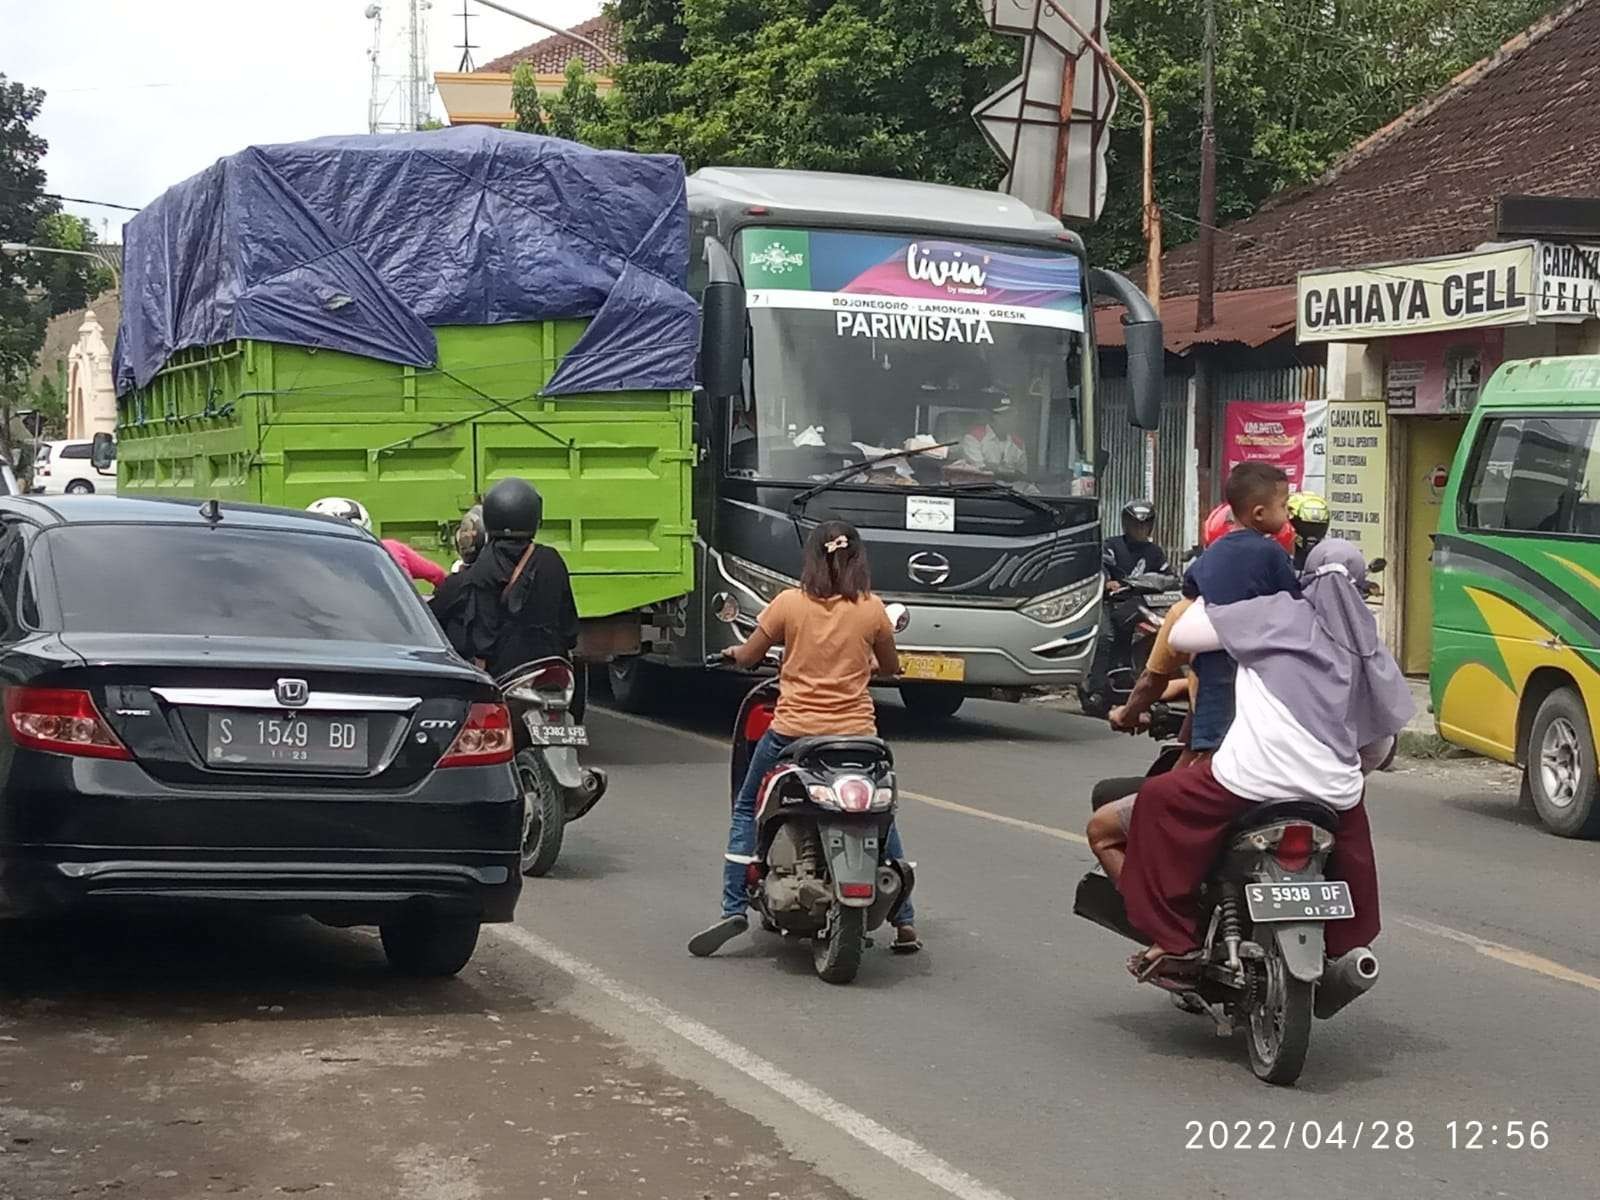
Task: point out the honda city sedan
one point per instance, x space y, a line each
222 705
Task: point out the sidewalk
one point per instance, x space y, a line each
267 1061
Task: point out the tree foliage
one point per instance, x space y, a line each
887 87
33 287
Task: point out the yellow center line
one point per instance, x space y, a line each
1498 951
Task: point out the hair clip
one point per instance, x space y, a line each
838 543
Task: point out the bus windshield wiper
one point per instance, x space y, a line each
993 487
859 468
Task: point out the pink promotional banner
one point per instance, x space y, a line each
1274 433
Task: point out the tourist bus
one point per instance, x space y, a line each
847 319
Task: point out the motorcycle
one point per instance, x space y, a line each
1132 616
556 788
1261 966
822 822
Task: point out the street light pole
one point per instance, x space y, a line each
609 58
15 248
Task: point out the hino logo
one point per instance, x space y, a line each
928 568
293 693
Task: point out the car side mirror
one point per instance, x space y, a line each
103 452
722 326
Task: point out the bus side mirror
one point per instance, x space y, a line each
722 325
1146 372
1141 329
103 452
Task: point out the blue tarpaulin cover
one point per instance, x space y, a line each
363 244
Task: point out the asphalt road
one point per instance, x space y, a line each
1015 1055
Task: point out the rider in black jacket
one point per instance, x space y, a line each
1124 558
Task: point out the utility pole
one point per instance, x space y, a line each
1205 306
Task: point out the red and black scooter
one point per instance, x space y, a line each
821 868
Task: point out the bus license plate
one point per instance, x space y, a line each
945 668
1321 900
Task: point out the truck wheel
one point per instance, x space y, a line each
838 956
544 814
931 701
632 684
1560 759
429 944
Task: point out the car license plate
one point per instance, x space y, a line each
1317 901
944 667
541 734
247 739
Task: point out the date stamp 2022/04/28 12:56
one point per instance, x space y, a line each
1514 1134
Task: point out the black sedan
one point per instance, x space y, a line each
227 705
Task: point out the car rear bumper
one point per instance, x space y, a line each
339 888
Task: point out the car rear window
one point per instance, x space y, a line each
221 582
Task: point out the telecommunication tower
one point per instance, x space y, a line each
402 87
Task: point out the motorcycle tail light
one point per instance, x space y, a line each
858 891
484 741
822 794
61 721
1295 847
752 874
555 684
855 793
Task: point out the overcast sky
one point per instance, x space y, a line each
143 93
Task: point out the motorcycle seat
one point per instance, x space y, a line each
841 751
1274 812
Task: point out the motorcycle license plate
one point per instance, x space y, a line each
946 668
1167 599
1317 901
555 735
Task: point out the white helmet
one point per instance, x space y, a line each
346 510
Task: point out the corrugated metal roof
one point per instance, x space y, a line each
1248 318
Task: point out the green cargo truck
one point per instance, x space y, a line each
290 416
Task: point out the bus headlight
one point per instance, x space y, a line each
764 583
1062 603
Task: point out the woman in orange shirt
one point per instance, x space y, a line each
834 632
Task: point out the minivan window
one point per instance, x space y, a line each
77 450
1536 474
221 582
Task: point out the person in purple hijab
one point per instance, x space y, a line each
1319 702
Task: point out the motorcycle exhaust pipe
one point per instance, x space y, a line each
1345 979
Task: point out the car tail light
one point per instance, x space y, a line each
858 891
757 722
61 721
1294 848
484 741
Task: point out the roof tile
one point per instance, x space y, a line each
551 56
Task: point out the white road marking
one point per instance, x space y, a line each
1503 953
1509 955
900 1150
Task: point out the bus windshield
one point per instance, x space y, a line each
865 343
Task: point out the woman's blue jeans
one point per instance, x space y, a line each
742 835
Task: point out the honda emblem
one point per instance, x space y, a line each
293 693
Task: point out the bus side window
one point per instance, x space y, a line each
1536 475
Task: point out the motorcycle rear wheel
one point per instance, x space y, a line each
1279 1025
544 814
837 957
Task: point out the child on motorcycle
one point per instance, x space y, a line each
834 632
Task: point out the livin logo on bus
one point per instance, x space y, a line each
955 271
775 260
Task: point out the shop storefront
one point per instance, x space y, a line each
1431 333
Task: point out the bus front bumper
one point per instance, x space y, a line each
997 648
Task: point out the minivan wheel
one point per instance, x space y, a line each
429 944
1561 773
79 487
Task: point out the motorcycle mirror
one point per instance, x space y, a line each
899 616
725 606
1376 566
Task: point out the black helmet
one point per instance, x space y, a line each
1141 511
512 509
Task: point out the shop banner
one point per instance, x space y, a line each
1471 291
1292 437
1358 473
1569 281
